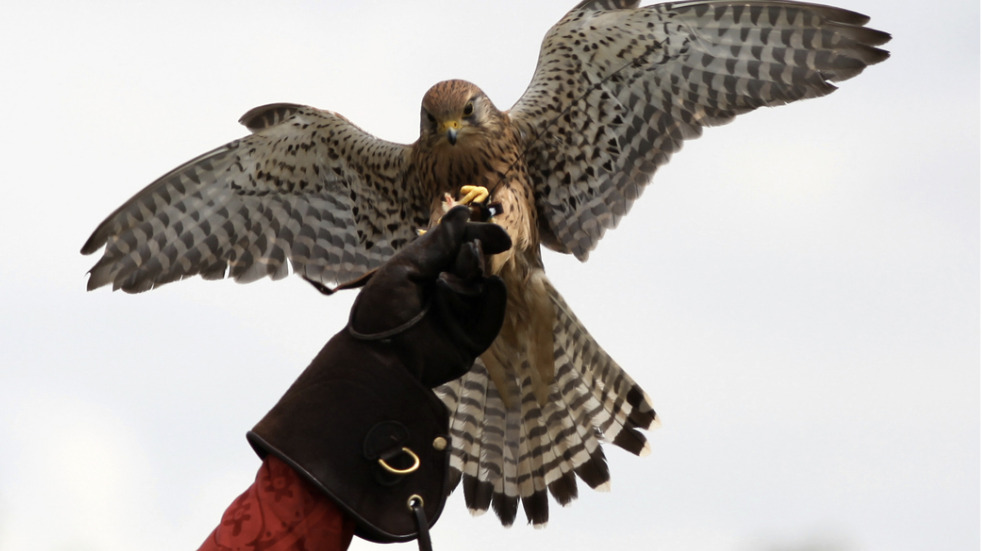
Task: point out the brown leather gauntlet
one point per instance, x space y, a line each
361 422
361 428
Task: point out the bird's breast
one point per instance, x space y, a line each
496 163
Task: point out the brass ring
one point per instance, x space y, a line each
414 501
407 470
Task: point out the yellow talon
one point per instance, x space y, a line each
473 194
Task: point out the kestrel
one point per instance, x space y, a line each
616 91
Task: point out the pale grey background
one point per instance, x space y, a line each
798 291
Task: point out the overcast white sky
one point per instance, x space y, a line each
798 291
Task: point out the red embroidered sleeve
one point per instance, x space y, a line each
281 512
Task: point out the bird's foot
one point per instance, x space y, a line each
476 197
473 194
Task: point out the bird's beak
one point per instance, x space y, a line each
451 127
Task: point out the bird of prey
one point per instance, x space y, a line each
616 91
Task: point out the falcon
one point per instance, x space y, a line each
616 91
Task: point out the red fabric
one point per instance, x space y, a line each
281 512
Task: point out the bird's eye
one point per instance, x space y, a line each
469 109
431 118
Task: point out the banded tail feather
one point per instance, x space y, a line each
522 452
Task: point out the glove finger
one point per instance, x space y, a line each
472 310
456 218
484 323
470 261
494 239
436 250
452 285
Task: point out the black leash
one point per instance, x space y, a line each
423 531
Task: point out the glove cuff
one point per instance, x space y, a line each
359 427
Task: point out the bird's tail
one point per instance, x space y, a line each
511 451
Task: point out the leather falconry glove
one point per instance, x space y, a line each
361 422
433 301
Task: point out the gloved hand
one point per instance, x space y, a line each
433 302
361 423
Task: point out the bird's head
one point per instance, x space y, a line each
455 110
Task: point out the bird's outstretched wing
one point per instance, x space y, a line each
306 189
616 92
